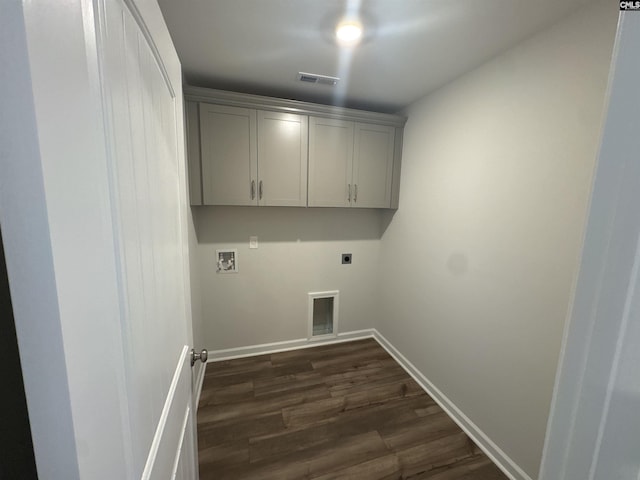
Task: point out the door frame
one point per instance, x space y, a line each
602 332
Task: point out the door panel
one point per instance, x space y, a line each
144 164
229 154
330 162
282 159
184 468
172 448
373 165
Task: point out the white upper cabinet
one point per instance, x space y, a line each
262 151
330 162
350 164
282 159
229 155
253 157
372 165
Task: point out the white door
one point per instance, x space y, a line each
145 164
94 212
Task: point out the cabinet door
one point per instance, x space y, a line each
372 165
330 162
282 159
229 155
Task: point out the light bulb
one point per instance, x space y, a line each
348 33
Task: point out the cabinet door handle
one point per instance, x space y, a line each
349 199
355 193
260 190
253 189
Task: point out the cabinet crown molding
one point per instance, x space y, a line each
223 97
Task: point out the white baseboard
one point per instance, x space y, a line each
495 453
253 350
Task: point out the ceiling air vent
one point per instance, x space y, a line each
317 79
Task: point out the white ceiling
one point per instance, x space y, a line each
412 46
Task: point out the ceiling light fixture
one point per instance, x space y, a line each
348 33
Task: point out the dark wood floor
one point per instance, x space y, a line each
345 411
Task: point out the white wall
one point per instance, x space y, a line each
299 252
497 168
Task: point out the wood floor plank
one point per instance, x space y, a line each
232 393
237 366
284 383
311 463
217 456
347 424
374 469
265 371
419 431
342 453
343 411
299 399
322 351
216 433
478 467
355 359
399 388
363 380
313 413
433 454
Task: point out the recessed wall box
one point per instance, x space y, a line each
323 314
